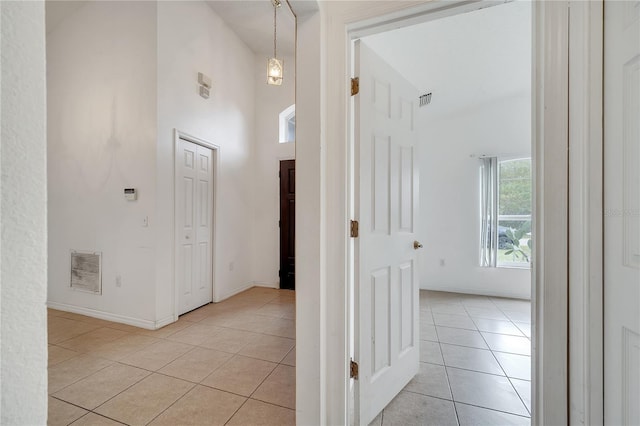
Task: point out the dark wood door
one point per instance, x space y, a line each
287 224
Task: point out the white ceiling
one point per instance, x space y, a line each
57 11
465 60
252 21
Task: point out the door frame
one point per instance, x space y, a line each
442 10
550 124
586 213
177 135
322 55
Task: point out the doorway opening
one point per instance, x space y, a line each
454 314
287 224
195 207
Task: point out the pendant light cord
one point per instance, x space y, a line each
275 31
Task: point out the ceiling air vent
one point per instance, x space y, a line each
425 99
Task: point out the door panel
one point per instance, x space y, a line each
406 307
287 224
194 218
187 270
386 289
622 212
406 189
381 184
381 320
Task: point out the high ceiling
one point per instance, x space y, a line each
252 21
57 11
466 60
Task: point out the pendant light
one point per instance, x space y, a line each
275 66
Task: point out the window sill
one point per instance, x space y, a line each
515 266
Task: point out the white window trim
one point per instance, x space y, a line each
283 121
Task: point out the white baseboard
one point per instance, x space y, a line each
245 288
478 291
225 296
266 284
165 321
107 316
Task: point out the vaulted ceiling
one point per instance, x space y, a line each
252 21
466 60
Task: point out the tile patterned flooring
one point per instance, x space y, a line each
227 363
475 364
233 363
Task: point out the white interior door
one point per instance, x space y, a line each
194 198
387 293
622 213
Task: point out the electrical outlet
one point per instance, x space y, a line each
441 262
145 221
118 281
231 266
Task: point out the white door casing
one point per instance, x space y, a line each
622 212
194 205
387 294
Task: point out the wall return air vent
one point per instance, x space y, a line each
425 99
86 271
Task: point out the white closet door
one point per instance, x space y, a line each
194 198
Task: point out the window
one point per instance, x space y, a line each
506 212
287 124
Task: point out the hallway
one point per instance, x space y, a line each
226 363
475 364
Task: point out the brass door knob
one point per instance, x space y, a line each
417 245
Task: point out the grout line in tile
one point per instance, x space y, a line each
82 378
85 409
263 380
447 374
128 387
476 371
270 403
430 396
491 409
518 393
236 412
81 334
455 344
107 417
173 403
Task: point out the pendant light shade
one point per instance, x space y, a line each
275 69
275 66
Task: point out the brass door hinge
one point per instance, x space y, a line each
354 229
353 369
355 86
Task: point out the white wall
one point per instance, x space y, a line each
311 327
269 102
449 193
23 260
122 76
102 125
192 39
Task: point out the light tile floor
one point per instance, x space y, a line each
475 368
226 363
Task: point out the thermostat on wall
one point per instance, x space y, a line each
130 194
